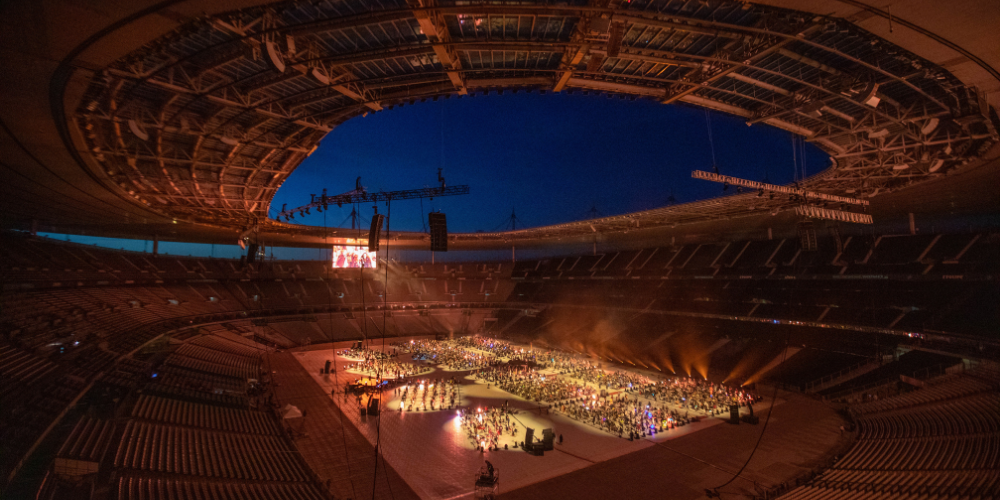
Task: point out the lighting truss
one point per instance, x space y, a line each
359 196
736 181
837 215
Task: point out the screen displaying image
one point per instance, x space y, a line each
351 256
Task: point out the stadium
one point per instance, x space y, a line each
828 334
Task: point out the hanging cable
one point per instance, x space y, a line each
711 142
385 307
423 220
333 352
795 162
802 156
770 411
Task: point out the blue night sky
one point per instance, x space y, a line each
549 157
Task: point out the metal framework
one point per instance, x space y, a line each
206 123
837 215
774 188
364 196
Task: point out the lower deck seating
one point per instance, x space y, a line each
196 452
206 416
941 442
180 438
140 488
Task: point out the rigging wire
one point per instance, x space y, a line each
795 162
385 307
333 352
802 156
711 141
770 411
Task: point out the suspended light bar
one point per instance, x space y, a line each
837 215
736 181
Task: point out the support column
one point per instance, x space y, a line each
156 244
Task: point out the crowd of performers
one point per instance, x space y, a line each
493 346
639 410
362 353
589 371
697 394
428 395
617 401
529 384
449 354
387 369
640 416
498 348
620 414
489 428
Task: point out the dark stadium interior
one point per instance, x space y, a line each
141 375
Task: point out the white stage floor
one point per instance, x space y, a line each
434 456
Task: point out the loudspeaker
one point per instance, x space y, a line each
439 231
274 57
548 439
615 37
375 232
373 406
252 253
734 414
326 369
529 437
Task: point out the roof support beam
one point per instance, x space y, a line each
736 67
434 28
570 65
356 94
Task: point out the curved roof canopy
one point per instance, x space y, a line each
202 124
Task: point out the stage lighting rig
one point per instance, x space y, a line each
795 195
360 194
774 188
828 214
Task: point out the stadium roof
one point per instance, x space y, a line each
183 118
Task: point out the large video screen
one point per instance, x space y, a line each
353 257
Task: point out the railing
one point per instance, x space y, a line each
845 371
921 374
